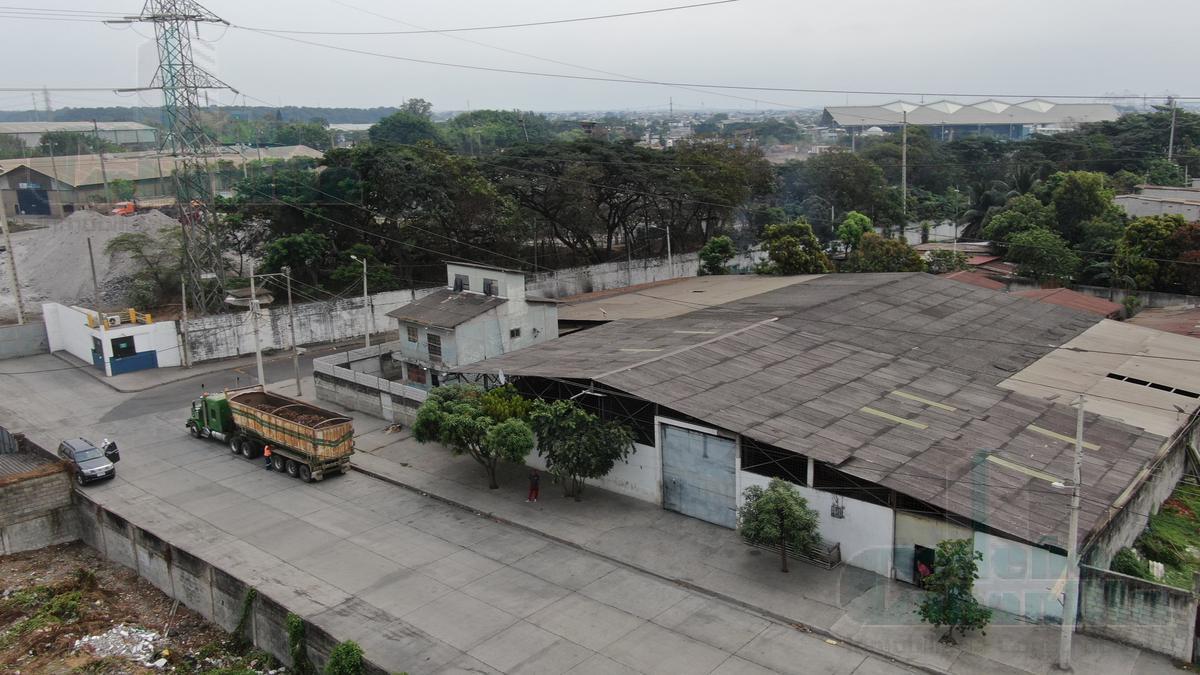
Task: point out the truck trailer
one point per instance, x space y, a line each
306 441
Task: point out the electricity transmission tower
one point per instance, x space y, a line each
181 80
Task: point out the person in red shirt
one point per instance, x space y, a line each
534 480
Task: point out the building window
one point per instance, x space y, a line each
412 333
491 287
416 374
462 282
514 333
435 347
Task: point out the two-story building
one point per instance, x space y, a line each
481 313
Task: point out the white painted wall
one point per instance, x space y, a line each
638 477
1019 579
912 529
160 337
865 532
618 274
67 330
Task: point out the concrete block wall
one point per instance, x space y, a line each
352 381
25 340
36 512
618 274
217 594
1137 612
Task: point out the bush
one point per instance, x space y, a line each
1127 561
1157 547
345 659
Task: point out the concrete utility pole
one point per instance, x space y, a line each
103 170
95 283
183 323
254 323
366 301
287 274
12 261
904 168
1071 593
1171 140
670 258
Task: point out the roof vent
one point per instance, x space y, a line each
1153 385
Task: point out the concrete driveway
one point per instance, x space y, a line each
423 586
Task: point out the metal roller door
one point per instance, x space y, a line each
698 475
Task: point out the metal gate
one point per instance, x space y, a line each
698 475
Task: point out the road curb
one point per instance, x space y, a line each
778 618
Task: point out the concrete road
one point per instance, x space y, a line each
423 586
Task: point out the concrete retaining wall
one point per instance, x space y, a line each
25 340
217 594
37 511
1137 612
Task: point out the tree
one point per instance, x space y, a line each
1042 254
876 254
576 444
852 229
1146 249
304 253
1165 172
345 659
951 601
418 106
792 248
403 128
1078 196
944 262
157 258
470 421
716 254
778 516
123 190
1020 213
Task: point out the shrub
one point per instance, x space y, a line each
345 659
1127 561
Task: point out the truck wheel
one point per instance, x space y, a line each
235 444
195 431
292 467
278 462
305 473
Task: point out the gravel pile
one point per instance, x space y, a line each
53 262
129 642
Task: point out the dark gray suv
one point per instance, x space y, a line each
88 462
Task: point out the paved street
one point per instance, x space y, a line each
423 586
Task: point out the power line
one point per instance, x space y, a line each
495 27
668 83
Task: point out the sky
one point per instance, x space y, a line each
1022 48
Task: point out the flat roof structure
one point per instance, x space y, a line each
660 300
907 381
990 112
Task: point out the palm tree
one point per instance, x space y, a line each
982 200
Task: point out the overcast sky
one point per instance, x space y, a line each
1020 47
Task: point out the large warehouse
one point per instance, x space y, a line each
947 120
907 408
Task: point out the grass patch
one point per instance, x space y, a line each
1173 536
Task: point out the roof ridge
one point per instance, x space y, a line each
676 352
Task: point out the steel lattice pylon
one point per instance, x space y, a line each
180 80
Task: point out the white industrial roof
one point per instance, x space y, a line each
43 127
991 111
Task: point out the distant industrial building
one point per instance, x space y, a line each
1162 200
58 186
121 133
947 120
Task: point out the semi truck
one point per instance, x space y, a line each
307 442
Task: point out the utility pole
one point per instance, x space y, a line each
1071 593
12 262
904 168
670 258
95 283
46 101
103 170
287 274
1171 140
366 301
254 322
184 319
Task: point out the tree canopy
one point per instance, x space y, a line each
778 516
470 421
877 254
950 601
792 248
576 444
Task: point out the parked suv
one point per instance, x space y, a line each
88 462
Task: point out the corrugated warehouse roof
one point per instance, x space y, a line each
670 298
85 170
892 378
976 279
445 308
991 111
1075 300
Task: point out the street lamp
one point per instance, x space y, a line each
366 303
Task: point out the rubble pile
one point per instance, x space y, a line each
130 642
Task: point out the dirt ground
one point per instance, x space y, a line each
63 607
